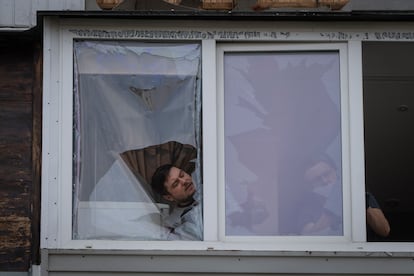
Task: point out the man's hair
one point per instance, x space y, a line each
159 177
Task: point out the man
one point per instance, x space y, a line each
176 186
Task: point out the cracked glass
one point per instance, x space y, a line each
136 107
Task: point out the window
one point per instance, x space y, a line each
136 107
282 141
388 99
281 116
262 127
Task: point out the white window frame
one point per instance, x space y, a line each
56 222
341 49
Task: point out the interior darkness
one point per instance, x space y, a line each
388 80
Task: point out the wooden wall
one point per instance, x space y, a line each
20 126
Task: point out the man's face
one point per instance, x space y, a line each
321 174
179 185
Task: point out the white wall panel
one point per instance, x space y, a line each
56 5
22 13
38 5
220 263
6 13
42 4
75 5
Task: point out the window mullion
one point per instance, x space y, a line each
356 124
210 180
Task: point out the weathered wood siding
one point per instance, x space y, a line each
19 175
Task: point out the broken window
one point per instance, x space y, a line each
136 107
282 139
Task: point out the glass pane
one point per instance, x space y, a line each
282 144
137 107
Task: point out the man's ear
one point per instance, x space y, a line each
169 198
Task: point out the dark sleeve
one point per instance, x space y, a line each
370 201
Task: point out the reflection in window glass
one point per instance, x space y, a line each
136 107
282 144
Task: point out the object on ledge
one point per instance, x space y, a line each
333 4
108 4
268 4
174 2
218 4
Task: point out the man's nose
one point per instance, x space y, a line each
185 182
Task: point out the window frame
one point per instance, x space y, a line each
57 135
301 47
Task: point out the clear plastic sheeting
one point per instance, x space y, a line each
282 144
136 107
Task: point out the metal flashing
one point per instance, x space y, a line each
272 15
